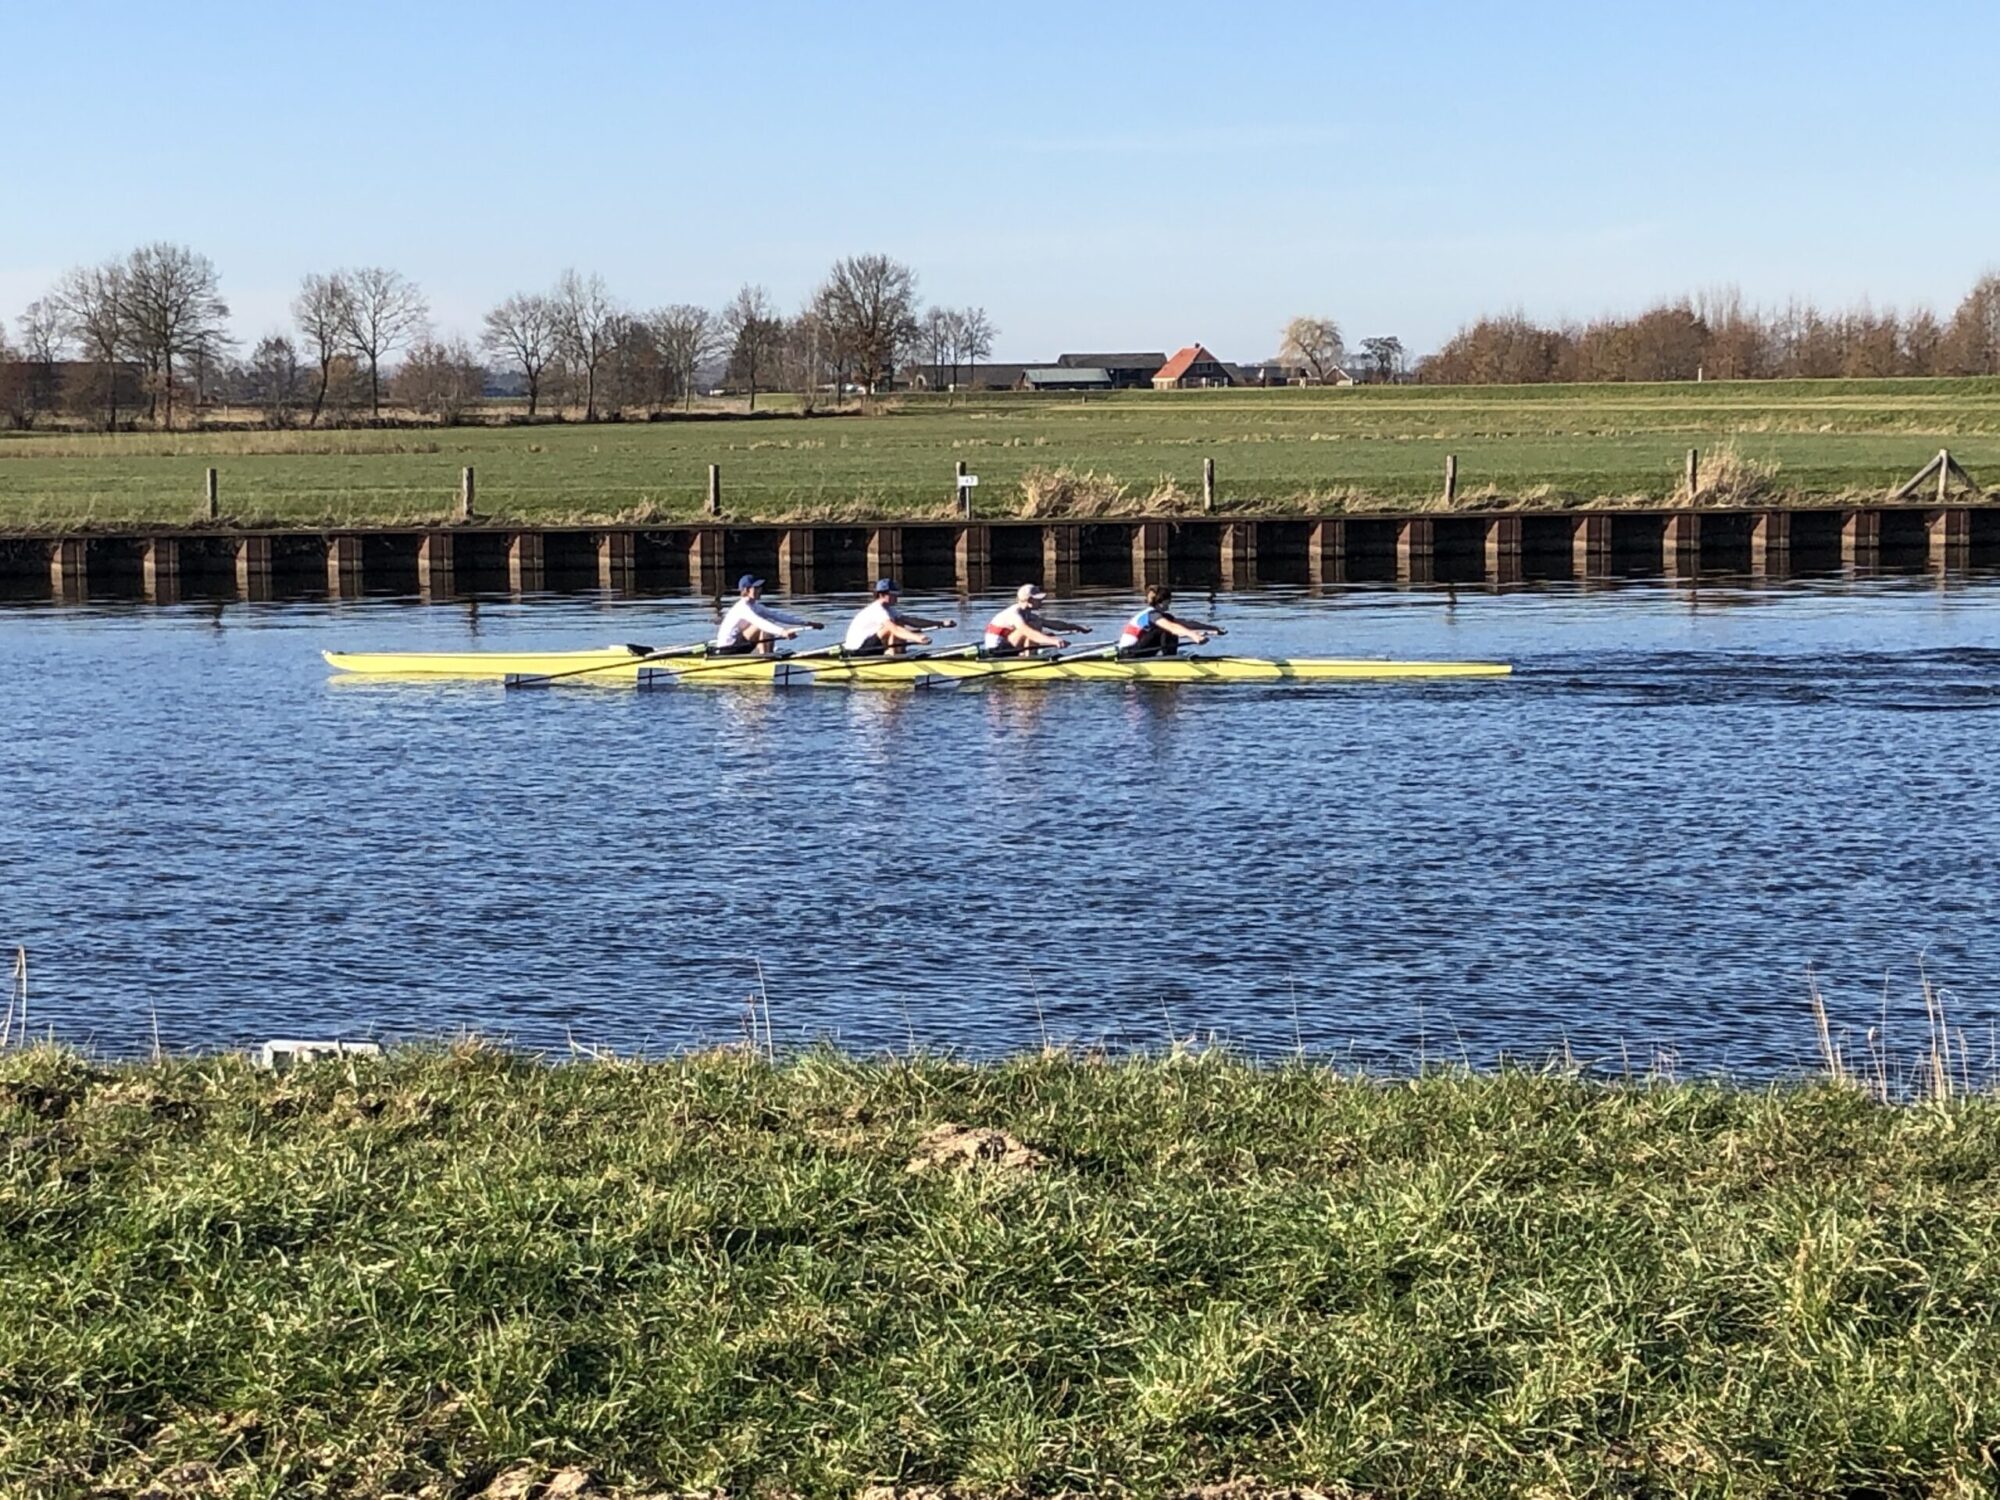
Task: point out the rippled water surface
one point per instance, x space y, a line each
1637 845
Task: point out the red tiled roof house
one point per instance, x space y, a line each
1193 366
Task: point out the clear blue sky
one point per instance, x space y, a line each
1103 175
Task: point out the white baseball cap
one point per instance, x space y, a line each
1027 593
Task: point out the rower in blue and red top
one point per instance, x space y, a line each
1154 631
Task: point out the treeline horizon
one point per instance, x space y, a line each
1715 335
148 334
150 330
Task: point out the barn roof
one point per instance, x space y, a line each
1184 361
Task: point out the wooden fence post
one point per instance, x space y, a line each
1693 473
964 490
211 493
466 493
715 489
1451 479
1208 484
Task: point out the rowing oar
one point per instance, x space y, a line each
543 679
825 657
1095 653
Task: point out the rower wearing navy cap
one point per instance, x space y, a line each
881 628
752 626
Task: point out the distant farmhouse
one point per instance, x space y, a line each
1192 368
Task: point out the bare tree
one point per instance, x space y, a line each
173 309
870 301
634 374
821 356
91 302
975 339
1314 344
687 336
321 312
522 330
276 378
16 374
586 328
441 378
1974 336
751 326
935 343
384 311
42 339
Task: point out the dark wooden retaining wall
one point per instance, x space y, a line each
1495 547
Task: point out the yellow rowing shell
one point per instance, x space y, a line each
617 665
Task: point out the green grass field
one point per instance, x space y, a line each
720 1275
1274 449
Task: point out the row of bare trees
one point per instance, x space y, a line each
1716 336
364 334
860 324
157 310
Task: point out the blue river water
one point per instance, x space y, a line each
1632 852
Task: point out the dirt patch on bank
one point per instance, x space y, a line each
959 1148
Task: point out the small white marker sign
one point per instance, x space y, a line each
967 481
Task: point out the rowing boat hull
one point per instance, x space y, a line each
618 667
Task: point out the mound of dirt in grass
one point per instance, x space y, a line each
959 1148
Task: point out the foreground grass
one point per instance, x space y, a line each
400 1277
1275 450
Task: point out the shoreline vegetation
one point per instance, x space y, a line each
457 1270
1276 451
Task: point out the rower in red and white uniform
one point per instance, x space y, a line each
752 626
882 629
1154 631
1021 626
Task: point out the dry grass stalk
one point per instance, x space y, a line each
1727 477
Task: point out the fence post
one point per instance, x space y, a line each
715 489
1208 484
1693 472
210 491
465 493
964 490
1451 479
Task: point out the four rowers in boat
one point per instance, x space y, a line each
882 629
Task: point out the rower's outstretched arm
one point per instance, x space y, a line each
1066 626
918 622
1188 630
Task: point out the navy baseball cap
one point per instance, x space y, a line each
886 586
749 581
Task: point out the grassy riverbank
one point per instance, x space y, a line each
407 1276
1275 450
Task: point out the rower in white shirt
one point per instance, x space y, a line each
1022 626
880 628
752 626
